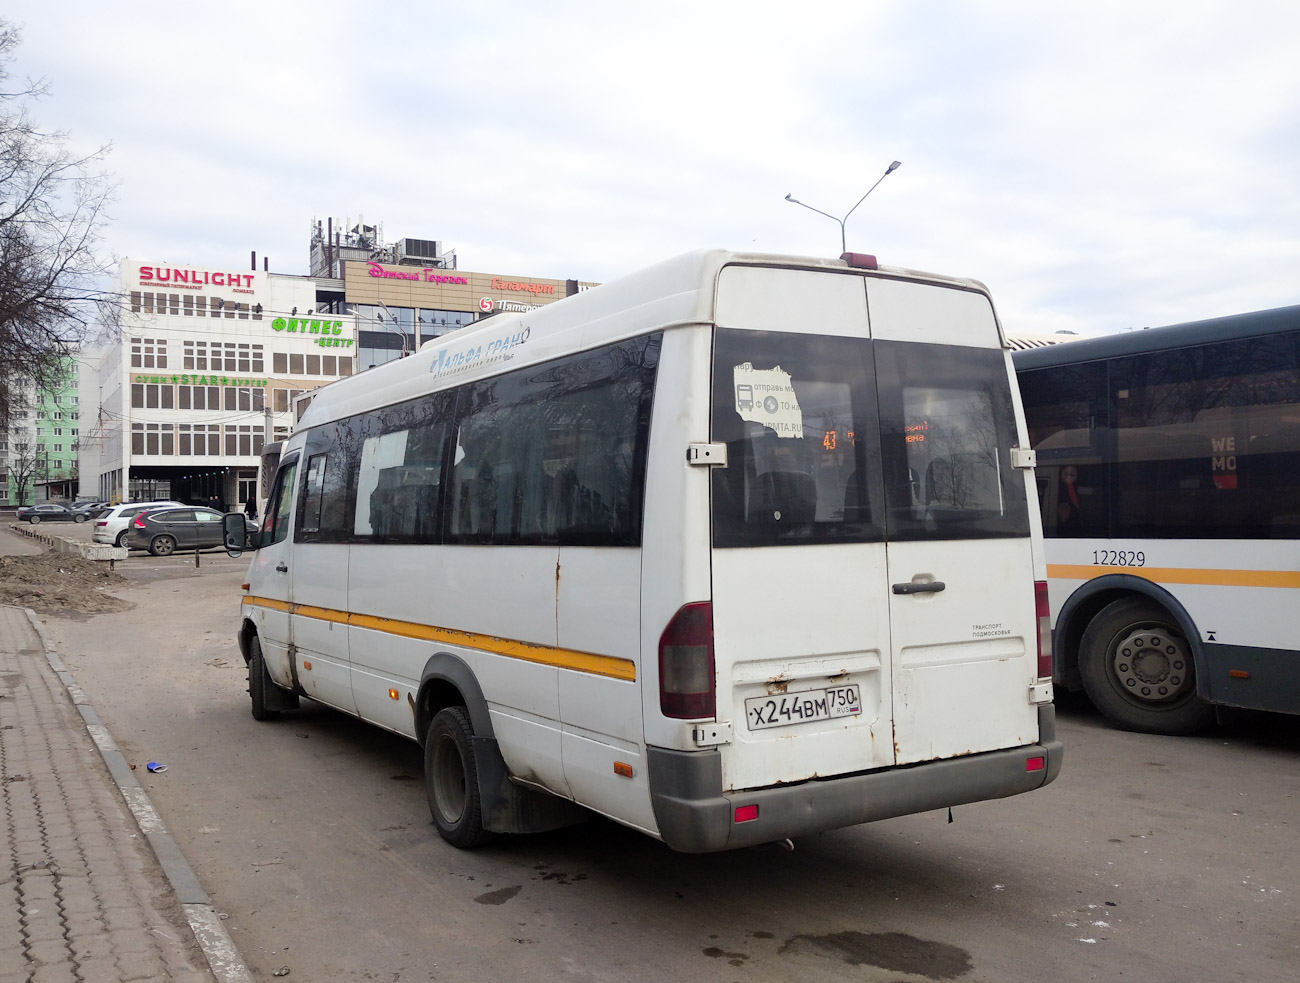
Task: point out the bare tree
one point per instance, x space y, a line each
52 208
27 463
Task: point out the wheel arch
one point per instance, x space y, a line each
247 632
1089 600
448 680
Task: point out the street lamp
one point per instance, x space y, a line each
379 318
843 246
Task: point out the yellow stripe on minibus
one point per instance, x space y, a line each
1181 575
598 665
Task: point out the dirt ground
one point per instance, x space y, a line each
60 584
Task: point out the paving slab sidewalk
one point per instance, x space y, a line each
96 890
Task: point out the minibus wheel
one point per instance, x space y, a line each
258 681
451 779
1138 670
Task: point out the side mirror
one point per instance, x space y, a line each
235 534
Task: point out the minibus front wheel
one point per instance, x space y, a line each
259 682
451 779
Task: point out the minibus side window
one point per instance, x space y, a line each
555 453
323 501
398 453
277 516
798 415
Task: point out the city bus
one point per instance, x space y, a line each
1168 473
731 550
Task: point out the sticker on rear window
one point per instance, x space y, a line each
766 396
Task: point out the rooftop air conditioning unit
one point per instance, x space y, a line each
418 251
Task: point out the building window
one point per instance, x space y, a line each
152 397
196 355
148 353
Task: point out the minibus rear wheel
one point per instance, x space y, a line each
451 779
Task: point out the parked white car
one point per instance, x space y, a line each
111 527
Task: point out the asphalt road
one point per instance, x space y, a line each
1149 859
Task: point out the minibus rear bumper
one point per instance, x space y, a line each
696 816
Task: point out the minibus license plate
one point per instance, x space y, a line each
784 709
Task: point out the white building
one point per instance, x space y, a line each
202 373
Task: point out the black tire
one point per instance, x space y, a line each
451 779
34 520
121 539
258 681
1138 670
78 518
162 546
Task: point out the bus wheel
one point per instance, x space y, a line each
451 779
1138 670
258 681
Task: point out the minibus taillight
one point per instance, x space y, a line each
686 663
1044 630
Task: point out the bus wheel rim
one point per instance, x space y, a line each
1152 665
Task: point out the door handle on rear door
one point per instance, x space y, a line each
933 587
281 568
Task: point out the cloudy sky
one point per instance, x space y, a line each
1101 165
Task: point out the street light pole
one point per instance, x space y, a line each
843 242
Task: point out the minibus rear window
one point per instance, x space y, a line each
947 429
798 415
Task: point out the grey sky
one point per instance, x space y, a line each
1099 165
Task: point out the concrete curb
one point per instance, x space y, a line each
66 544
218 948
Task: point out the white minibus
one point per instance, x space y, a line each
731 550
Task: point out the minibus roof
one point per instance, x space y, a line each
677 291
